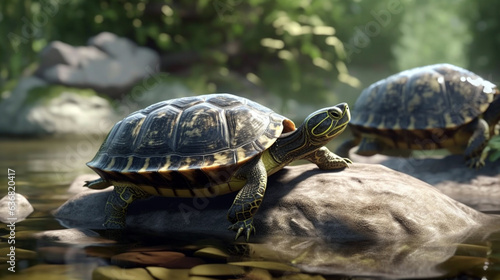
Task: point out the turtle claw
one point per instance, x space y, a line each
341 162
475 164
347 161
243 227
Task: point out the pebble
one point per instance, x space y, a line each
217 270
212 253
118 273
22 210
166 259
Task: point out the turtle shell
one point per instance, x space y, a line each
435 96
187 143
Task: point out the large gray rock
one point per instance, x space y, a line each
477 188
14 101
60 53
361 203
109 64
36 109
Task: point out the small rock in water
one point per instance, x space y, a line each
115 272
211 252
155 258
217 270
14 208
71 236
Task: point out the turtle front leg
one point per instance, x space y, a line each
248 199
117 205
475 153
326 159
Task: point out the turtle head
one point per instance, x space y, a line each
325 124
318 128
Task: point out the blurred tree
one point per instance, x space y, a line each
484 25
369 29
293 48
433 32
263 40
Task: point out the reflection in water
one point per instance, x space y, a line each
394 260
45 167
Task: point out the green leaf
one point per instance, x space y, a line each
495 156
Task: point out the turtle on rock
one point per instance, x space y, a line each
209 145
439 106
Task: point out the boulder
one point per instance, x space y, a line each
109 64
365 202
477 188
14 101
42 110
56 53
14 208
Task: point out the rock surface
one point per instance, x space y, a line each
22 208
109 64
361 203
477 188
33 108
14 102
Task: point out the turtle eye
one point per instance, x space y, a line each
335 113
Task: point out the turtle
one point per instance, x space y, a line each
209 145
440 106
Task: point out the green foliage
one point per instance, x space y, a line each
369 29
494 146
242 36
292 47
484 24
46 93
433 32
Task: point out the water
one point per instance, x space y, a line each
45 167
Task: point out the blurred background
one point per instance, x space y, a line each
299 51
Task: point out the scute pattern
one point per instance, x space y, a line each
186 143
201 129
243 125
157 132
438 96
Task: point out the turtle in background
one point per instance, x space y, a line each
209 145
439 106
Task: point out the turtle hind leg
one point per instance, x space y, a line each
475 153
248 199
98 184
117 205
